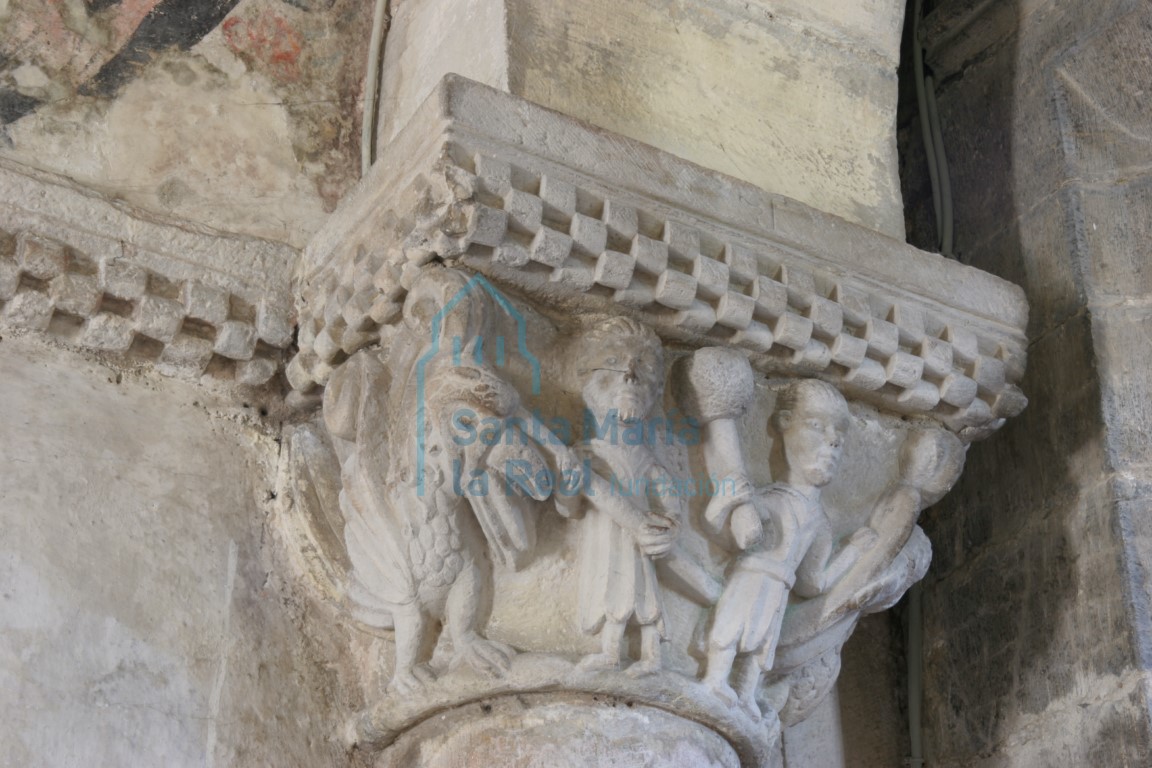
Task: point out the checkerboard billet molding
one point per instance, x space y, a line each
99 278
694 281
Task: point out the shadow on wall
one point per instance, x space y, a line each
1024 607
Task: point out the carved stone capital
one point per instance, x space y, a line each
600 425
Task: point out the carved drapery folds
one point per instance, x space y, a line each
596 440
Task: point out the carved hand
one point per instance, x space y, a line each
747 528
657 535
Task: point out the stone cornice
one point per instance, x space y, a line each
114 280
575 217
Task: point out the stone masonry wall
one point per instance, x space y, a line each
1036 608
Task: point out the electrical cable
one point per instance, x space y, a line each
380 23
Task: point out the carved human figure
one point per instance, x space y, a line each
931 461
785 537
628 521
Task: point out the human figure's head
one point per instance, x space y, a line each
812 420
623 369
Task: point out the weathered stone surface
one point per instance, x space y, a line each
820 283
142 620
240 115
1049 153
797 98
194 292
559 732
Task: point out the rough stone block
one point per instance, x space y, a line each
75 294
273 324
922 396
185 356
742 264
385 310
883 337
636 296
110 333
735 310
905 370
205 302
614 269
792 330
255 372
699 318
771 298
122 280
298 373
651 255
486 226
958 390
550 248
682 239
29 309
910 321
158 318
559 196
40 257
495 175
854 304
622 220
589 235
525 211
675 289
989 373
800 283
757 337
575 275
849 351
937 357
965 346
325 345
9 279
711 277
235 340
826 316
511 254
870 375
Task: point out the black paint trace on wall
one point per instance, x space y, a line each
176 24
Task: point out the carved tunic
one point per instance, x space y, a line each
617 581
751 609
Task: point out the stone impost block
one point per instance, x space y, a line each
579 219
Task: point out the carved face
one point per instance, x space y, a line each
813 436
624 375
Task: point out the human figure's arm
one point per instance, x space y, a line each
819 570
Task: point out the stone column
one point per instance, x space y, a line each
795 97
597 431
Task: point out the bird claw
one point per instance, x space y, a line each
486 656
413 680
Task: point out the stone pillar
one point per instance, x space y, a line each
795 97
605 442
1046 129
